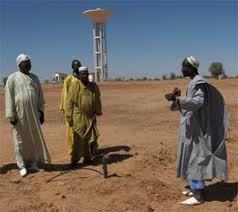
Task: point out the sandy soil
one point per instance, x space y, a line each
140 134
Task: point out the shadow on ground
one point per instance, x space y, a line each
113 157
114 154
106 150
97 160
221 191
8 167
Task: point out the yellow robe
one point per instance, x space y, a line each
69 132
83 103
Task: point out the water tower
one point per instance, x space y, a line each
99 17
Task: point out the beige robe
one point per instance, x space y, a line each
24 98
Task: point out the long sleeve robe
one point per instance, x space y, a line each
69 132
203 128
24 99
82 105
67 82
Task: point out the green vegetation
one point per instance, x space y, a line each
216 69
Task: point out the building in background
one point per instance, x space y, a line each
91 77
59 77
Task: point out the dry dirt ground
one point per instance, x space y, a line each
140 134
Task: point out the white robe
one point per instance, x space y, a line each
24 98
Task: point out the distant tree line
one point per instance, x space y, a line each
215 69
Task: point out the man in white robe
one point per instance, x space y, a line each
25 110
203 127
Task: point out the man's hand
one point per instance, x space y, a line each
177 92
41 117
13 121
70 120
172 96
99 114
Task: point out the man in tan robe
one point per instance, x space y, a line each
76 64
83 104
25 111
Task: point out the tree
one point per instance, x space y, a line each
46 81
172 76
216 69
164 77
4 80
119 79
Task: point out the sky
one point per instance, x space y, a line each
144 38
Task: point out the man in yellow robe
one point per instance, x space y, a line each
83 104
67 82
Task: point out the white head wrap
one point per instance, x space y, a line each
21 58
193 61
83 68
